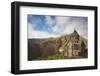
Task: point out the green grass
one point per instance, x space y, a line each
55 57
60 56
52 57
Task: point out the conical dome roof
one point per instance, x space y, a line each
75 32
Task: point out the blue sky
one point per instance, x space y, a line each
41 26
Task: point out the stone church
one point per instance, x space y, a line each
73 46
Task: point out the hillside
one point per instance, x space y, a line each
40 49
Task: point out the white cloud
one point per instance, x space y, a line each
80 27
49 20
60 24
66 26
32 33
63 25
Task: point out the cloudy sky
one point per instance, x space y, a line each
41 26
